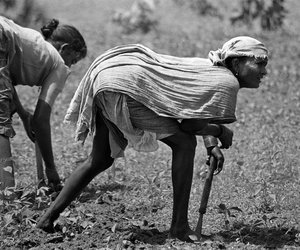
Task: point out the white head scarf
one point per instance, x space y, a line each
237 47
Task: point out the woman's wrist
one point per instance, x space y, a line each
210 141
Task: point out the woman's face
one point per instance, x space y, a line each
69 56
250 72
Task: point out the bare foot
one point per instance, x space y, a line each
52 176
55 187
46 225
186 235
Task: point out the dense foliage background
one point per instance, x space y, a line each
255 200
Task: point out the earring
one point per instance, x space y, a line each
236 73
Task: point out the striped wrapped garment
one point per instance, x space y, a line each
174 87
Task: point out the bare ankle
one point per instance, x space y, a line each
183 233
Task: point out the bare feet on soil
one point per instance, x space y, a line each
187 235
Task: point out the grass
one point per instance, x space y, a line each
258 188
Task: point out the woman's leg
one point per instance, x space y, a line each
6 164
183 147
6 130
98 161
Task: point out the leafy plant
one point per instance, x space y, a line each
155 191
227 211
74 220
19 208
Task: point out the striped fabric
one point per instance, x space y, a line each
181 88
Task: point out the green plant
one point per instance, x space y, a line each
75 220
19 208
227 211
155 191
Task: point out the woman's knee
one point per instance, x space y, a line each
182 141
91 167
100 161
100 155
187 142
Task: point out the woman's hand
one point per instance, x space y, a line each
217 153
54 182
225 137
27 122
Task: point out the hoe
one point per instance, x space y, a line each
39 166
205 194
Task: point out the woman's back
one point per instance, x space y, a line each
30 57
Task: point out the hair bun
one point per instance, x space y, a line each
48 29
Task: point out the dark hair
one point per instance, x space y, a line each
59 34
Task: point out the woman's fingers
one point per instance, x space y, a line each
217 153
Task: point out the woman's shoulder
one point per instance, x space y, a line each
16 31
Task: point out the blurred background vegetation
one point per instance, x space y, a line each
269 14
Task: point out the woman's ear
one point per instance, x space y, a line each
235 63
64 47
235 66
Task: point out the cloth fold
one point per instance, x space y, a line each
176 87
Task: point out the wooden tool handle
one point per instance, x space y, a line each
39 163
205 194
207 185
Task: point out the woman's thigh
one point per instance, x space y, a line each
101 148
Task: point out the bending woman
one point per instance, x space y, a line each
28 58
132 96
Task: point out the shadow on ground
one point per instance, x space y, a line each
148 235
94 192
269 237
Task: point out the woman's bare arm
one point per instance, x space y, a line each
25 116
200 127
42 130
209 131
